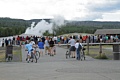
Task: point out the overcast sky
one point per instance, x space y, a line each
100 10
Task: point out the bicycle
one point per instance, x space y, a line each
37 53
34 56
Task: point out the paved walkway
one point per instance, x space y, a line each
60 68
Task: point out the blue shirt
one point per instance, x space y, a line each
41 45
28 47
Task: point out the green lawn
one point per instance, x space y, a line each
94 51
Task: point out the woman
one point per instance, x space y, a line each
51 43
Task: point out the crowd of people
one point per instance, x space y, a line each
47 44
20 40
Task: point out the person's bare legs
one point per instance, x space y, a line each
45 51
41 52
74 54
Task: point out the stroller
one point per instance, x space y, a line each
68 53
82 54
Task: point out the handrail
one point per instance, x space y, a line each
92 44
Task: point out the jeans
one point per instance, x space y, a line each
78 54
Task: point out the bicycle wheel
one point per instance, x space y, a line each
67 54
84 55
37 54
35 58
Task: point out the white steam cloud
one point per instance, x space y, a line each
42 26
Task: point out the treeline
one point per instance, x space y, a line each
85 27
9 27
74 29
7 31
98 24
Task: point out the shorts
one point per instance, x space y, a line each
72 48
46 47
41 50
29 53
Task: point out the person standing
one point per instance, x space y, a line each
51 43
46 45
55 39
72 44
41 46
78 47
3 42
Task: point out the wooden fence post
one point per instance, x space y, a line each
100 52
87 46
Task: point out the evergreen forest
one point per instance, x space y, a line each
10 27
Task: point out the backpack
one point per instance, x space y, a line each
79 47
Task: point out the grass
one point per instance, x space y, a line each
2 55
103 46
106 52
102 56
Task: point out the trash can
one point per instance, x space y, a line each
9 53
116 51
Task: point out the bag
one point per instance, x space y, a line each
79 47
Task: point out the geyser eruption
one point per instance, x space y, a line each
42 26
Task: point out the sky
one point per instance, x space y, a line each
81 10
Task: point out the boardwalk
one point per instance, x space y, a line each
59 68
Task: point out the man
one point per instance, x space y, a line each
47 49
41 46
55 39
72 44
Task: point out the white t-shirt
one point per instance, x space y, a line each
77 44
32 42
55 38
46 43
